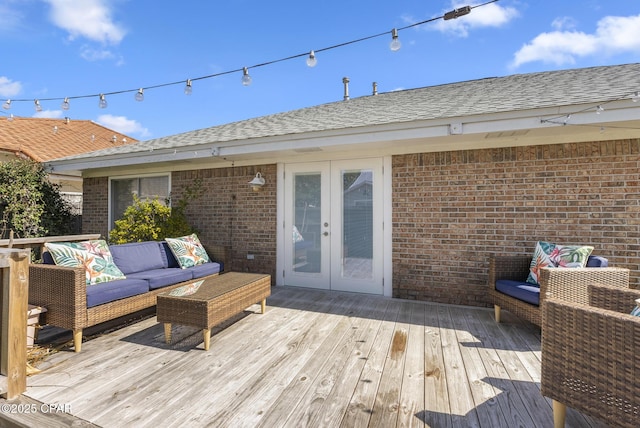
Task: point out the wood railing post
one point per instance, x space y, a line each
14 295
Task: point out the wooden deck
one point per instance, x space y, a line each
315 359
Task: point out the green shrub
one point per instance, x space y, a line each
30 205
150 221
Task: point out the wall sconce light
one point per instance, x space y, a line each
257 182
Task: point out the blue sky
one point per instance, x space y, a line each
81 48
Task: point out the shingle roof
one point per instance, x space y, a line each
46 139
475 97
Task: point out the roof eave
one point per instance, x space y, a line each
432 135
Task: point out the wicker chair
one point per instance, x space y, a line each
590 356
565 284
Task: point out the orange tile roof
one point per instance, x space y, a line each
46 139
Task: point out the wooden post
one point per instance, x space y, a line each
14 294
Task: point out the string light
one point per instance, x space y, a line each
139 95
599 108
395 44
246 79
37 105
457 13
312 61
6 105
65 104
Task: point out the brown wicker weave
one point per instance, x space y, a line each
62 290
216 300
590 356
566 284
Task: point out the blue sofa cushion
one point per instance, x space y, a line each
597 261
105 292
47 258
520 290
205 269
158 278
137 256
169 259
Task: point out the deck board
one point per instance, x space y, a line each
316 359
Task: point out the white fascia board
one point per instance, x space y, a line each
397 132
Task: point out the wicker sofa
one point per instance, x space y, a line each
590 356
150 269
566 284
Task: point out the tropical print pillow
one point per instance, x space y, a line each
94 256
188 251
186 290
547 254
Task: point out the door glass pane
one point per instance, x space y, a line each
306 226
357 223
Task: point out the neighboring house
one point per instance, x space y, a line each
45 139
442 177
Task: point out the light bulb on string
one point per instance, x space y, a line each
139 95
246 79
37 106
312 61
10 118
6 105
188 89
635 97
65 104
103 101
395 44
599 109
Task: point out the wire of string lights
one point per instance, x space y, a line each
246 79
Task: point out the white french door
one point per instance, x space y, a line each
334 212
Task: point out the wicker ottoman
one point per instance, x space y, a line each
206 303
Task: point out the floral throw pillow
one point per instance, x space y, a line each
547 254
94 256
188 251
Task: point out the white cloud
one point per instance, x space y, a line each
91 54
123 125
90 19
9 88
48 114
564 23
489 15
614 34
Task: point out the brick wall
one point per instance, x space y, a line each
95 205
229 213
452 210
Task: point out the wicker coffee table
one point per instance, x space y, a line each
210 301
